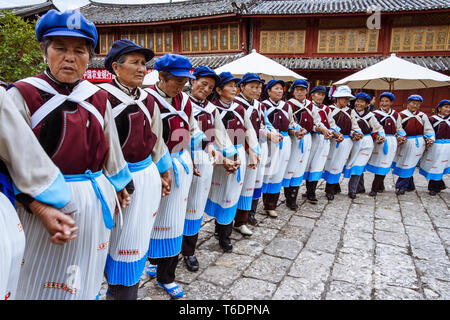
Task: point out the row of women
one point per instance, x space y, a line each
107 177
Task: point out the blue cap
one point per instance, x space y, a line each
364 96
250 77
271 83
69 23
415 97
300 83
176 64
204 71
226 77
389 95
442 103
124 46
319 89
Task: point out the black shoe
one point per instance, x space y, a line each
373 193
351 195
410 189
191 263
304 195
226 246
432 193
251 219
312 198
400 191
330 196
361 191
292 206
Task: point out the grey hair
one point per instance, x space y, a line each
45 43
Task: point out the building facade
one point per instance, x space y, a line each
323 40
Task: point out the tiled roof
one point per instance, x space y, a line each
101 13
211 60
343 6
437 63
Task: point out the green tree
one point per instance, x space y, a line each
20 54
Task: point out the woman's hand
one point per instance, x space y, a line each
299 134
60 226
124 199
213 154
339 137
166 183
253 159
380 139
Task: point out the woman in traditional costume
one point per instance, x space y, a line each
72 119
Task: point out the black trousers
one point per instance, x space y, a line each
188 245
166 268
241 217
356 183
332 188
436 185
405 183
120 292
378 183
224 231
270 200
311 187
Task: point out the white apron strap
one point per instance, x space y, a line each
126 100
209 109
168 106
232 108
82 91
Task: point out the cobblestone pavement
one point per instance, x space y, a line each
388 247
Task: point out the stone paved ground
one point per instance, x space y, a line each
388 247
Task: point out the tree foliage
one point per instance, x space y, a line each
20 54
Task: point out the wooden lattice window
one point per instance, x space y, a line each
160 40
347 40
424 38
105 41
204 38
282 41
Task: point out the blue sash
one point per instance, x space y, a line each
89 176
177 155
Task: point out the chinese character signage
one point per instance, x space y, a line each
97 75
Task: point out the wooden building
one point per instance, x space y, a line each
323 40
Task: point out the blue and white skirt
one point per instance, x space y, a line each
339 153
276 164
435 161
129 244
12 247
382 156
260 170
225 191
300 151
198 194
167 234
359 156
320 147
73 271
408 156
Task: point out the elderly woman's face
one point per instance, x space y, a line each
360 104
202 87
172 86
132 71
67 58
276 92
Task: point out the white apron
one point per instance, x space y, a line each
73 271
167 234
12 246
359 156
320 147
408 156
276 164
226 190
260 170
435 161
198 193
382 156
339 153
129 244
300 151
